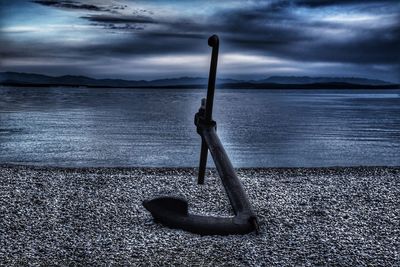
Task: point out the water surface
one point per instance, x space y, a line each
153 127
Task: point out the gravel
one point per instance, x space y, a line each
94 216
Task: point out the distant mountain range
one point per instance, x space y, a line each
273 82
310 80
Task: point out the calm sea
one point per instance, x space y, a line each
150 127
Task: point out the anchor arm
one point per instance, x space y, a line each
233 187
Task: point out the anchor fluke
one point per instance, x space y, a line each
173 212
165 205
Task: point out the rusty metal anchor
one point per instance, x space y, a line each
173 212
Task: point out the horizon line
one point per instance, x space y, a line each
200 77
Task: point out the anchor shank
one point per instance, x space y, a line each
214 43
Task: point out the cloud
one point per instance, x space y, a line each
71 5
107 19
301 34
324 3
266 27
278 31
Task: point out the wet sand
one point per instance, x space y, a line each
93 216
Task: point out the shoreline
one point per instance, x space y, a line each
92 216
212 169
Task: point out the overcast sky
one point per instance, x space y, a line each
158 39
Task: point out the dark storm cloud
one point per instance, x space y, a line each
373 47
181 35
71 5
237 26
139 45
297 30
262 27
274 30
270 28
322 3
107 19
147 44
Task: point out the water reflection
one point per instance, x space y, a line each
148 127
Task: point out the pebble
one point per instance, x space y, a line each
94 216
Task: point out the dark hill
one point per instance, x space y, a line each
274 82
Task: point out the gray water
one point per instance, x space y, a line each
150 127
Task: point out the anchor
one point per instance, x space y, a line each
173 211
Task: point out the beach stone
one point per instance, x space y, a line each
94 216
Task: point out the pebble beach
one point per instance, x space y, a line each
52 216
